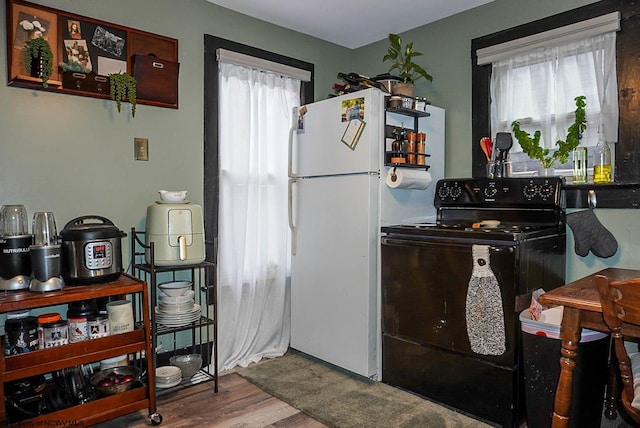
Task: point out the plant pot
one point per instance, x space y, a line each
403 88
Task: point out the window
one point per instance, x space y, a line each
624 193
535 80
537 88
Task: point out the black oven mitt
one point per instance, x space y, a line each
590 235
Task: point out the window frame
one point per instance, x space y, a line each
625 192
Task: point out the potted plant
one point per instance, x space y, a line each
123 87
548 159
38 54
401 59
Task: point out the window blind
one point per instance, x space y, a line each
579 30
231 57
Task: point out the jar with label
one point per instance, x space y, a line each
397 146
77 317
98 326
56 333
412 139
422 148
120 316
42 320
21 335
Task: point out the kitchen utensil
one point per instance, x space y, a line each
487 147
503 143
15 261
91 250
177 231
172 195
188 364
168 376
44 228
175 288
14 220
45 254
115 380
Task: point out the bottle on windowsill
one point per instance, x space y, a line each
601 161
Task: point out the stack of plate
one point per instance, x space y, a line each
176 311
168 376
178 319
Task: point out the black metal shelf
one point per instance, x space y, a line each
202 276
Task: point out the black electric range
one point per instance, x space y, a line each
511 230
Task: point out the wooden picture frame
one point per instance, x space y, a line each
18 33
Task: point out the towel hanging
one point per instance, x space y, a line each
484 311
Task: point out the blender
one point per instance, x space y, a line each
45 254
15 262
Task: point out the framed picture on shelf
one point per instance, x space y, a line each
26 22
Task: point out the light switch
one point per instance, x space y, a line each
141 149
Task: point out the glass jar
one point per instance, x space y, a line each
580 165
602 163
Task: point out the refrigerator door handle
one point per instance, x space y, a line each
292 226
292 130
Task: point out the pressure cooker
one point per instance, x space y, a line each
91 250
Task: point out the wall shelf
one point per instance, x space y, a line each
102 47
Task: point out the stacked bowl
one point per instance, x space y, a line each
176 305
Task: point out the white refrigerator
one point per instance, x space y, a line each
338 200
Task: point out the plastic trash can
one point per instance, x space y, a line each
541 355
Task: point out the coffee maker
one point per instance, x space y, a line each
15 240
45 253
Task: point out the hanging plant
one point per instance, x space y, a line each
123 87
38 49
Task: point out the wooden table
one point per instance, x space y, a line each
582 308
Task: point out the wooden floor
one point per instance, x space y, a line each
237 404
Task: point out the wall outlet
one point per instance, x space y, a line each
141 149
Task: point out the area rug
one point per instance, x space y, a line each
340 399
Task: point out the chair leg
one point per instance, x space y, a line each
612 391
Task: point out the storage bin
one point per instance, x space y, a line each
541 358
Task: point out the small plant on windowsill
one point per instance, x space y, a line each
123 87
548 159
39 50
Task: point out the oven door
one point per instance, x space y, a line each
424 292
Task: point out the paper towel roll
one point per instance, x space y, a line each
402 178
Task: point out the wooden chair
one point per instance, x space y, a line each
620 302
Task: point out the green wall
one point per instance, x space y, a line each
74 155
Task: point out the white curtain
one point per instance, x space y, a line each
538 89
254 111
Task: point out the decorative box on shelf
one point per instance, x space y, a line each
157 79
86 82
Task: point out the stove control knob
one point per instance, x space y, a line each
546 191
455 192
490 192
443 192
530 191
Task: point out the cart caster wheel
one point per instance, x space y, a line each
156 419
